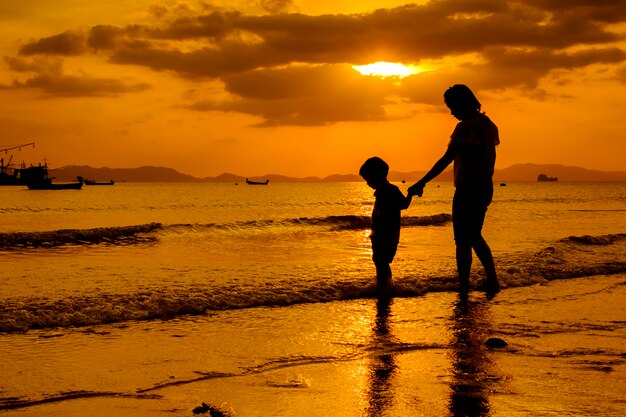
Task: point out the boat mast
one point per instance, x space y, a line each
4 168
18 147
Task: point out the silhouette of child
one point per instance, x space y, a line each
389 202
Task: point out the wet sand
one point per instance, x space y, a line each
565 354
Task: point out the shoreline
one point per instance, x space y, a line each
413 356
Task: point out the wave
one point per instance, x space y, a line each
345 222
352 222
17 403
125 234
572 257
595 240
147 232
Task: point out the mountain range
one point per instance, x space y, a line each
518 172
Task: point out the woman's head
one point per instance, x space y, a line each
461 101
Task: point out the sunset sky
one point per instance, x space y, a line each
254 87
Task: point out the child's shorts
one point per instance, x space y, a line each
383 251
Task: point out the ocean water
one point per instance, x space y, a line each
151 251
170 292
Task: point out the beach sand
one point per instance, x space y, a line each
565 354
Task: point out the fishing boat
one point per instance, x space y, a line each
11 174
34 177
37 179
54 186
23 175
257 182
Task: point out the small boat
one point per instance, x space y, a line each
257 182
92 182
545 178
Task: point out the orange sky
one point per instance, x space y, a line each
267 86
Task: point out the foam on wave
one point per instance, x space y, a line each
146 232
568 258
78 236
595 240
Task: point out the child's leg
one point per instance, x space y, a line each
382 255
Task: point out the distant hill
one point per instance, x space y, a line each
530 172
519 172
226 177
141 174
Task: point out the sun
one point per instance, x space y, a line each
387 69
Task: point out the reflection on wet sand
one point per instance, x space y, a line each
383 366
472 375
470 364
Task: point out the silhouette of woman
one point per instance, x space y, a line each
472 147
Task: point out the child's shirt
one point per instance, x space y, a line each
386 214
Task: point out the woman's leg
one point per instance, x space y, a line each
469 207
486 258
463 264
460 225
383 274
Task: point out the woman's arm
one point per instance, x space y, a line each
440 165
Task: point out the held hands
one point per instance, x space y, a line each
416 189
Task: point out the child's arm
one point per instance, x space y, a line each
406 202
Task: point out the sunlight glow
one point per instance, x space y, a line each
387 69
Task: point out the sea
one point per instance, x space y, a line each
163 257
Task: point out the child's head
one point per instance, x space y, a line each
461 101
374 171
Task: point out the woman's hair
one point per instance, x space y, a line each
374 167
460 95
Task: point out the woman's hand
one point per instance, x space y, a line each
416 189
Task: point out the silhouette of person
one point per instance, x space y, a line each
472 147
388 204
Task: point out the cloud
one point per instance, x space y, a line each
81 86
526 68
214 25
305 95
67 43
514 44
607 11
276 6
38 64
104 37
50 78
407 33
